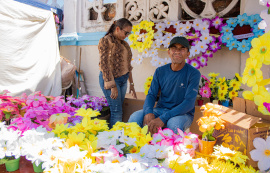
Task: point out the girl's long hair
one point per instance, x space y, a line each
121 23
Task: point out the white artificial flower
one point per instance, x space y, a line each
148 151
166 43
107 138
264 2
261 153
168 23
202 46
265 23
145 53
129 141
161 152
160 26
139 59
204 28
153 53
156 61
188 26
197 24
159 42
206 38
176 24
194 50
197 169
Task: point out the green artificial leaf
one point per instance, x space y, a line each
268 10
211 138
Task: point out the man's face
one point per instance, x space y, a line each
178 53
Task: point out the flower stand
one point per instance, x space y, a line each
12 165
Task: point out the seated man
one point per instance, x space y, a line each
179 84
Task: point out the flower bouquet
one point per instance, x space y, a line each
210 121
204 89
228 88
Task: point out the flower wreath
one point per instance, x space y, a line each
253 76
140 39
197 32
231 40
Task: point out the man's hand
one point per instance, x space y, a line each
148 118
154 125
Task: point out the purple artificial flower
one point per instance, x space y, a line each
202 60
195 63
208 53
216 22
214 46
207 21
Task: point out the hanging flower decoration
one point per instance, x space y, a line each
253 76
203 44
239 40
142 36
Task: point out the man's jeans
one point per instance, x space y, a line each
182 122
115 104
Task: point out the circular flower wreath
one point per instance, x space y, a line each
197 32
231 40
142 36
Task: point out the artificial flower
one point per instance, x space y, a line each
261 49
252 72
261 153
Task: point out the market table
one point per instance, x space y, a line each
25 167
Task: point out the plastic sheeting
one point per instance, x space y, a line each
29 53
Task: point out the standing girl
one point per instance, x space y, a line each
115 67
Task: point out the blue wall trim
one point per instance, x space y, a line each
80 39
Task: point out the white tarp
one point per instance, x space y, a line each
29 53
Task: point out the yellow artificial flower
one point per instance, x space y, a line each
81 127
147 85
238 77
263 110
150 78
252 72
90 147
221 80
248 95
261 48
75 139
213 75
221 94
59 128
261 95
133 37
146 91
87 112
223 87
235 84
135 28
98 125
144 24
233 94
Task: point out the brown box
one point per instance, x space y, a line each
131 105
240 130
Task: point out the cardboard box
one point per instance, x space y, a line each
131 105
240 130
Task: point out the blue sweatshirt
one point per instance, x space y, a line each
179 91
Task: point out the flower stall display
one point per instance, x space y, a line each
207 124
38 109
147 84
241 41
224 89
204 89
228 89
203 43
261 153
253 76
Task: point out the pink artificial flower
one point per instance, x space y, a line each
267 105
208 53
216 22
36 100
203 60
214 47
205 91
206 78
195 63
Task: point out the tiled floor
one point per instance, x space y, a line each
25 167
